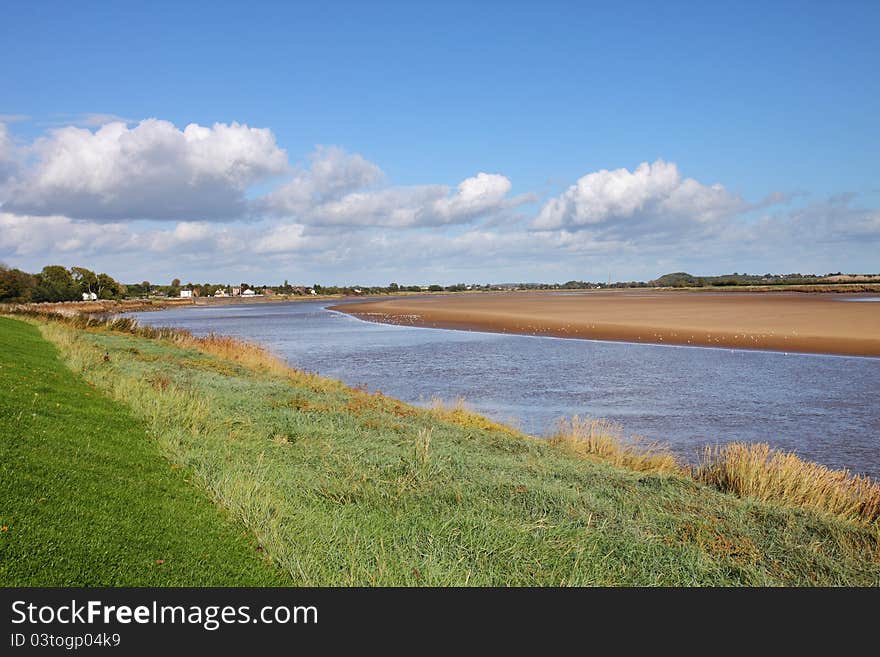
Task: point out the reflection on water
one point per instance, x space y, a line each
822 407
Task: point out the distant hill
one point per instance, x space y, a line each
684 279
678 279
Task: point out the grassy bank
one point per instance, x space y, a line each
85 496
342 487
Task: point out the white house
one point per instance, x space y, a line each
248 293
186 294
90 296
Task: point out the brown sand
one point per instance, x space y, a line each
814 323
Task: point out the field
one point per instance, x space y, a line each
216 459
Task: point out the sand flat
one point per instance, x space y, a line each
797 322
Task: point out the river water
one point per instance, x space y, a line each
824 408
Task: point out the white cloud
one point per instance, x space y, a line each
653 194
22 235
340 189
283 238
399 207
151 171
810 238
68 196
481 194
155 171
332 173
835 220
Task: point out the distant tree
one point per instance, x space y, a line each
86 279
16 285
435 288
108 288
55 283
175 282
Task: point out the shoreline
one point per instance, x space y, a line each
672 345
797 324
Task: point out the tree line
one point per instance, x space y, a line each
57 283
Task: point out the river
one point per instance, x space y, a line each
824 408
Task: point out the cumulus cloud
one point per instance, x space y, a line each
332 173
336 191
155 171
807 238
23 235
283 238
151 171
68 197
56 236
653 195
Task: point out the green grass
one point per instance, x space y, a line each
87 499
341 487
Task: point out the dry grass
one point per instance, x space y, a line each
458 413
774 476
241 352
423 447
604 441
105 306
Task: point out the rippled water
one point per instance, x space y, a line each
822 407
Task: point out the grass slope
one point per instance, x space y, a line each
85 496
342 487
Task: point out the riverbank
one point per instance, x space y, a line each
115 307
86 498
337 486
793 322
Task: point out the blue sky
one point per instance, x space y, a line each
775 102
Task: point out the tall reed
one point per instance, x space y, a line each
605 441
758 471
